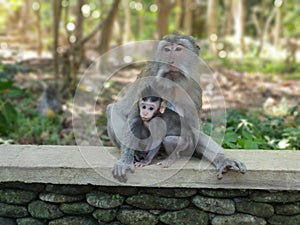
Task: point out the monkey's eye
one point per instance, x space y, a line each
151 108
178 48
167 49
144 107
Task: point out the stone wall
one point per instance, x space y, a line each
41 204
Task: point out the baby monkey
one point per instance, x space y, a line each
149 108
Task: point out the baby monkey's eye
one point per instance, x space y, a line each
178 48
167 49
144 107
151 108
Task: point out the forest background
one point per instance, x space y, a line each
252 47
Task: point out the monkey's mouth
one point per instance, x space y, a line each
172 75
145 119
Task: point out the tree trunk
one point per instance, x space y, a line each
179 17
37 12
106 34
78 52
277 29
164 9
24 19
188 14
239 16
56 20
127 28
141 21
264 33
212 25
227 25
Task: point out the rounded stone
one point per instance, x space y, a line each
288 209
30 221
145 201
255 208
238 219
6 221
13 211
18 197
136 217
73 220
185 217
43 210
105 215
76 208
286 220
276 197
215 205
104 200
60 198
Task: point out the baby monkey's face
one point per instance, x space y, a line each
148 109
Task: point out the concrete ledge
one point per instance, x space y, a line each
272 170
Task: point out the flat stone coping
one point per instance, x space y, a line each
271 170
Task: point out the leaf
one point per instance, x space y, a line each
250 145
247 135
4 85
232 146
9 113
230 137
241 142
15 92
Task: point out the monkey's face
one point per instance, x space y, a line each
178 56
148 109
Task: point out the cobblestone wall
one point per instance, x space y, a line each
41 204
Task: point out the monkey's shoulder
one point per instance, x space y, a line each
170 114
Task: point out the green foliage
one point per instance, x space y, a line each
19 121
37 130
258 130
8 117
8 113
258 65
7 72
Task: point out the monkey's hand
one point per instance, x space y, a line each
142 163
223 166
166 163
120 169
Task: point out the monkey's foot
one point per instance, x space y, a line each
120 169
230 164
165 163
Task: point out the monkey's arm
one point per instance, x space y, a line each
207 147
123 164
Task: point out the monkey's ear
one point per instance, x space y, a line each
193 40
163 107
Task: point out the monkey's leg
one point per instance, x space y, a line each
207 147
173 146
149 157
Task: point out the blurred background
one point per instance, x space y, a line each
252 47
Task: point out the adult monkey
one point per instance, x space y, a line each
175 74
